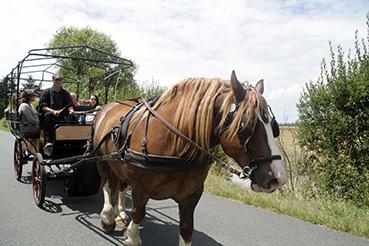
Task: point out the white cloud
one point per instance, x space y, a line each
280 41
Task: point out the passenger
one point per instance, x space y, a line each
55 105
94 101
29 122
11 109
76 105
14 103
75 101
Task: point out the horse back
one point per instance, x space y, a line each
108 118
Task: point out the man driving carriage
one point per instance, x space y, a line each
55 105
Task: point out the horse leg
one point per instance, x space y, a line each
132 233
107 213
186 210
120 206
108 182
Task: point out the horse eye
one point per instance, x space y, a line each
275 128
265 117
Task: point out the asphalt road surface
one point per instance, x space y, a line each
75 221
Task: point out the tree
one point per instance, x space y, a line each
82 73
334 126
3 93
30 84
151 89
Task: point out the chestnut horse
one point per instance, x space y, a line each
209 112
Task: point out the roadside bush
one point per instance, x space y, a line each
334 126
3 95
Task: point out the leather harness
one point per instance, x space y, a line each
173 163
151 161
121 137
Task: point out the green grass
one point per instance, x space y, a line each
4 125
337 215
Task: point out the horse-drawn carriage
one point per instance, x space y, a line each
162 149
70 140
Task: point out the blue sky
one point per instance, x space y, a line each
282 42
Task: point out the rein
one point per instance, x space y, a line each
174 130
138 159
247 170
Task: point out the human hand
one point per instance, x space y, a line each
71 111
56 113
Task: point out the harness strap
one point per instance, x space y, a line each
124 129
255 162
161 163
143 142
246 171
125 122
138 159
106 136
175 131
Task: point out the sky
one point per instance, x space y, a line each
282 42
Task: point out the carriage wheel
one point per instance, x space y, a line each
18 159
38 180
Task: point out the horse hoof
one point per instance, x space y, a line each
130 242
121 222
108 228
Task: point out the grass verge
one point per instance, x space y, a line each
337 215
4 125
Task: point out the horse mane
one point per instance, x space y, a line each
195 100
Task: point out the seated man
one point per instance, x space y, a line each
55 105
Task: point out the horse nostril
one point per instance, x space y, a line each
272 183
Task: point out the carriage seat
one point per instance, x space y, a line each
83 113
84 108
72 132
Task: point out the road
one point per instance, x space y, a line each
75 221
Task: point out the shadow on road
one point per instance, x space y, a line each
157 228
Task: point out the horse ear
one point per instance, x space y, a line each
237 88
260 86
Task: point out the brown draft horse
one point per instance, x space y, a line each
208 111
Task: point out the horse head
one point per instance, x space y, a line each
249 129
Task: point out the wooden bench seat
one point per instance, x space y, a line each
72 132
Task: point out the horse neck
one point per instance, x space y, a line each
217 128
168 110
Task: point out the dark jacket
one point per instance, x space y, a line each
55 100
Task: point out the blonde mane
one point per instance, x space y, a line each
195 100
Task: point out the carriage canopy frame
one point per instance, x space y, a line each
42 63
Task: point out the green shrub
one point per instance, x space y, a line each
334 126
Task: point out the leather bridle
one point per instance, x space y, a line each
246 171
255 162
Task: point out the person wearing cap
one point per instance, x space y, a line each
55 105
